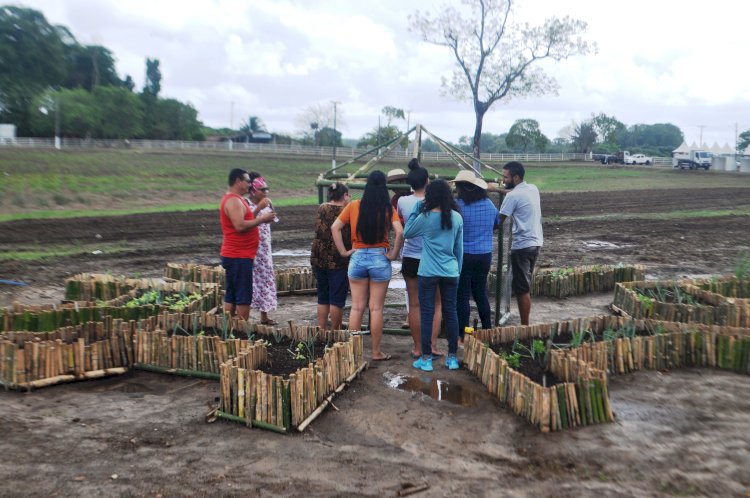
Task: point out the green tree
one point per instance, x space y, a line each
659 139
743 141
120 112
152 86
392 113
497 58
584 137
253 124
91 66
379 135
325 137
32 60
176 121
606 128
525 133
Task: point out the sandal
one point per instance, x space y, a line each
384 358
270 321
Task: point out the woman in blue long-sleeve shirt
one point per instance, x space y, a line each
437 221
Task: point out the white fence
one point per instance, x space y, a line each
342 153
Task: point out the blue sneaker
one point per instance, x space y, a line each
424 364
451 362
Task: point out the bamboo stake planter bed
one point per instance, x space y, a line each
674 345
84 352
95 286
296 280
41 318
268 401
584 401
725 286
706 307
582 398
579 280
184 355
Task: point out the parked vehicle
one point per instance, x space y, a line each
638 159
617 158
693 159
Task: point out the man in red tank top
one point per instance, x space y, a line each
240 243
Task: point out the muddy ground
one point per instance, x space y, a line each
678 433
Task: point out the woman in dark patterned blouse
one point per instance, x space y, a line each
329 266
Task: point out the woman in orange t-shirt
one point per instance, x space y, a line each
371 219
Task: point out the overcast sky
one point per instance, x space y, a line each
658 61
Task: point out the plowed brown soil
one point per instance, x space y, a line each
678 433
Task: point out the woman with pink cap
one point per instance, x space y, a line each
264 278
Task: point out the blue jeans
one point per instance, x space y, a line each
448 288
473 282
370 263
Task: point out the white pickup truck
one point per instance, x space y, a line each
638 159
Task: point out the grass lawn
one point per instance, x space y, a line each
50 184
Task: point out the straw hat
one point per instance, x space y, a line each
395 175
469 177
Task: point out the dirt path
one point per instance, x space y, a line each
677 432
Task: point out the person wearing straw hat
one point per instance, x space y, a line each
480 220
522 204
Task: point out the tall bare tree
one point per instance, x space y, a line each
496 56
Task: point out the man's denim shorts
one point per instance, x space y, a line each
370 263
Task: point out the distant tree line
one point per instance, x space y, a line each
50 82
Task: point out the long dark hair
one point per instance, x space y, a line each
418 175
375 210
438 194
470 193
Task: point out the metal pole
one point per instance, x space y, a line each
499 271
333 162
57 122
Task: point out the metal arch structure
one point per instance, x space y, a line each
464 161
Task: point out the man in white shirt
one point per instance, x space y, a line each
522 204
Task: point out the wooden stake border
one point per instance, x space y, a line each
293 280
583 398
578 280
42 318
263 400
713 309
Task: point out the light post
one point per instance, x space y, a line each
333 162
57 122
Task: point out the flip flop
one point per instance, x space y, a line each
270 321
384 358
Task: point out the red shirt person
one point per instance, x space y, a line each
240 243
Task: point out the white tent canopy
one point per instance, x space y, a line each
683 148
727 149
715 148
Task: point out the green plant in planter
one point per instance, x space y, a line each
513 360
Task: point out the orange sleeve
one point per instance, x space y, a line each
395 216
346 215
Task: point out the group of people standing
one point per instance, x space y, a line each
245 215
445 245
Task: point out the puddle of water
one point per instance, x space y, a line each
132 387
291 252
438 389
600 244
